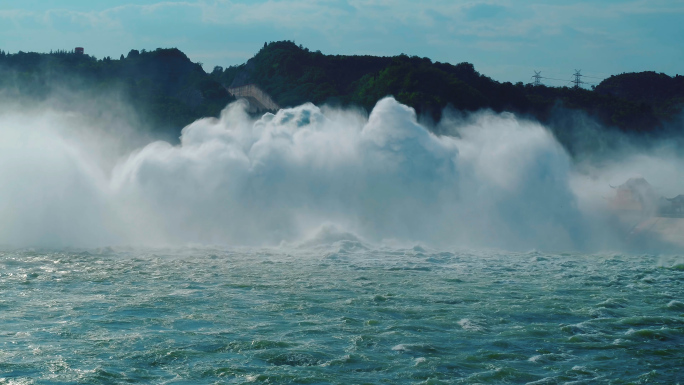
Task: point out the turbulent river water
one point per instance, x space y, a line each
341 313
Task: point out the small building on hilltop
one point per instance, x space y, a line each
79 50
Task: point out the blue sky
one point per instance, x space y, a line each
505 39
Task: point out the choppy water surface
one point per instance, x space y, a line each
341 314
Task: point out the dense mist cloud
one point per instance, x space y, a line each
498 182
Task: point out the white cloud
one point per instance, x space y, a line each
511 19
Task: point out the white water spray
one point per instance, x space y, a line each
502 182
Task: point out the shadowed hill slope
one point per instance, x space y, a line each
664 93
293 75
169 91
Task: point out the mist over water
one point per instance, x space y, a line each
500 181
380 262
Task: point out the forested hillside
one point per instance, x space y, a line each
293 75
170 91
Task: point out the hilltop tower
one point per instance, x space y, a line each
578 79
537 78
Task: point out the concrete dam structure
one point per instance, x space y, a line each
257 98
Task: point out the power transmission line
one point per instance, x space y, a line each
562 80
577 81
537 78
604 74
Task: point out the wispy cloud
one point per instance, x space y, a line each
487 19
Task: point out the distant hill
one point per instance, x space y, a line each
292 75
168 90
171 91
664 93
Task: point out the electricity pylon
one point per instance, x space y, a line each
578 79
537 78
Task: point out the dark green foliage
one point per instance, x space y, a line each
661 92
417 83
168 90
293 75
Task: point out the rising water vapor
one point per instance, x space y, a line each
498 182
